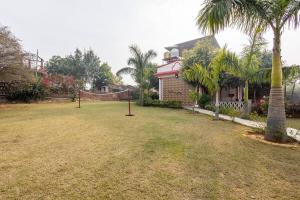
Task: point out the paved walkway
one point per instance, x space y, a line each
291 132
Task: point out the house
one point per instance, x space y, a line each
171 84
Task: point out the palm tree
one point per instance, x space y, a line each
248 15
209 76
248 67
140 62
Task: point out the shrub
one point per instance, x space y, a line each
172 104
154 95
27 92
73 97
194 96
265 107
148 101
204 100
230 111
210 107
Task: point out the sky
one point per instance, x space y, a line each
58 27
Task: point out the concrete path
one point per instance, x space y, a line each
291 132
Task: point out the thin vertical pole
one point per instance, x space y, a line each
129 105
79 99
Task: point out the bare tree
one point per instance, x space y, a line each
11 57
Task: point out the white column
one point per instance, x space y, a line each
160 89
240 94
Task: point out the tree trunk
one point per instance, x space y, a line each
141 96
285 89
246 98
276 121
293 91
217 105
197 90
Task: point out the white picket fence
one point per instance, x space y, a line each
233 104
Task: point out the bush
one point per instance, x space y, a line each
148 101
229 111
265 107
154 95
194 96
204 100
210 107
172 104
27 92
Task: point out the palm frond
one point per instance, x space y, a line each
125 70
226 61
291 16
245 15
132 61
137 54
149 55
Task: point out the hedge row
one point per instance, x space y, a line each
165 104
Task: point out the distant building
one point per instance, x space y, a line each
33 61
171 84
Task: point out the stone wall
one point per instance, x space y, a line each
176 89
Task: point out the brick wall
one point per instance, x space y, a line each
117 96
176 89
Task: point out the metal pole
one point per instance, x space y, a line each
129 107
79 99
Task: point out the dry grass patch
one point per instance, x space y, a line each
57 151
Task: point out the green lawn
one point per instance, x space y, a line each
293 123
57 151
290 122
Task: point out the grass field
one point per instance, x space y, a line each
57 151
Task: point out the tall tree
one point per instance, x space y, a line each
92 64
248 15
78 68
152 81
58 65
140 62
11 58
247 68
202 54
103 76
85 66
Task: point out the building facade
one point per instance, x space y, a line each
171 84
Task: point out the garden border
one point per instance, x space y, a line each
291 132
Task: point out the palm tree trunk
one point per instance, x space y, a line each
246 98
141 96
293 91
285 89
217 105
276 121
246 92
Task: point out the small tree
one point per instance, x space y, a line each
209 77
194 96
79 86
246 68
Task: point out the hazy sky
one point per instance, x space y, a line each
57 27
